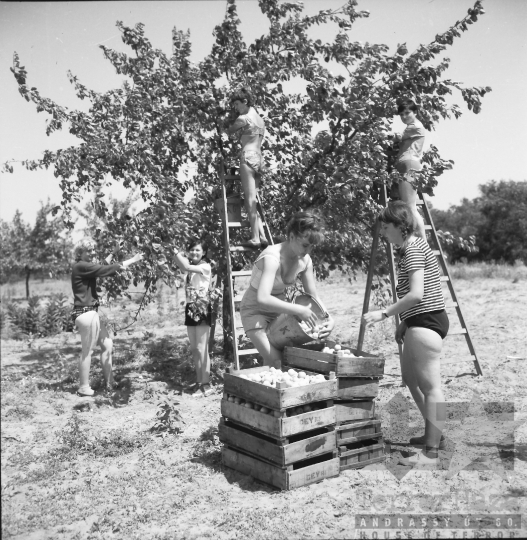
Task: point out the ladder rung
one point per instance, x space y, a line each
245 352
457 332
238 299
241 273
239 224
428 227
451 305
444 278
436 252
242 248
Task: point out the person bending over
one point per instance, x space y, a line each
424 325
276 268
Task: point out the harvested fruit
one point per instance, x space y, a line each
290 378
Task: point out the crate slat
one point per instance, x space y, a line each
350 388
354 410
344 366
280 478
358 431
278 427
360 454
279 454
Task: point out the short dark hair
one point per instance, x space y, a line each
399 214
307 222
406 103
198 242
242 94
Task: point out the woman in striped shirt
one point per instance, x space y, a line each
424 324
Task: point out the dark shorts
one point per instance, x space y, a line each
433 320
203 319
79 310
408 166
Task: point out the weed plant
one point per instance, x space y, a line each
38 319
75 441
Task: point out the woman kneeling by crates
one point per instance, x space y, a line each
276 268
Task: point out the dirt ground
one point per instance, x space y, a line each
90 468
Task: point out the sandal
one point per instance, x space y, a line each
207 389
198 392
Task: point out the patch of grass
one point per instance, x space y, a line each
20 412
75 440
470 271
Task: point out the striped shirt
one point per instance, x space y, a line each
417 256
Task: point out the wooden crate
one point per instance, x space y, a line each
351 411
277 398
284 426
280 452
306 358
357 455
301 474
358 431
359 389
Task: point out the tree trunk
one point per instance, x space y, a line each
28 272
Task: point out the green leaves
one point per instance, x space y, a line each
160 133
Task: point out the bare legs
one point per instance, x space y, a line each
106 345
421 372
199 343
250 185
271 355
408 194
92 333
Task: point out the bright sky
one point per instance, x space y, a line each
52 38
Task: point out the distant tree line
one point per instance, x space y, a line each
498 220
43 249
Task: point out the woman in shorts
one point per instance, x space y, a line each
198 312
424 325
250 128
408 160
85 314
276 268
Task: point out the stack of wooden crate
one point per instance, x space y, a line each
285 437
359 435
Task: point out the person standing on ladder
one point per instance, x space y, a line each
408 160
198 312
276 268
424 325
250 128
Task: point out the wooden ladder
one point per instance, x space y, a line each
445 278
237 331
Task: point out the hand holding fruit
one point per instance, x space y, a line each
372 317
326 328
307 316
